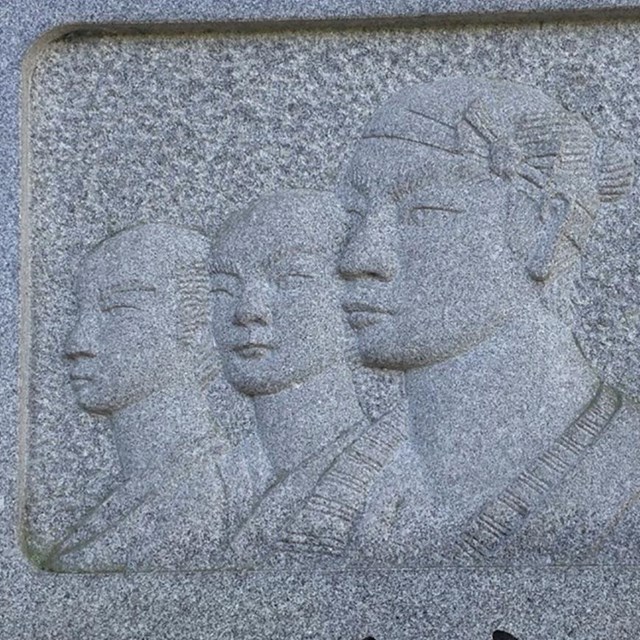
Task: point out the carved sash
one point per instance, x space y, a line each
501 517
325 523
313 511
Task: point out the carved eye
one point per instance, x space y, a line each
428 214
292 280
355 214
223 291
119 308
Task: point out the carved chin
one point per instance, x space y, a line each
257 387
93 406
256 380
378 351
272 376
386 350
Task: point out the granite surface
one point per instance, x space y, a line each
122 130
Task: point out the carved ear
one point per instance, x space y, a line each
540 263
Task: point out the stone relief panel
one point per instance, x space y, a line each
276 332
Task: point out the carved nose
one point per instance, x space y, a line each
354 266
80 342
252 308
370 253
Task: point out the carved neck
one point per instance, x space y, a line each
478 418
298 421
148 430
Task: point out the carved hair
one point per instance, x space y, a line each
186 253
194 288
514 132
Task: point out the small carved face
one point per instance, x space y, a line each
427 268
277 318
124 345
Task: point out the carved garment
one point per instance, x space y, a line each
172 517
500 518
310 515
594 516
570 505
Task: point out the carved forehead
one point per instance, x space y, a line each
288 219
152 253
379 163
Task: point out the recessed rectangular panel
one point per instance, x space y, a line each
332 299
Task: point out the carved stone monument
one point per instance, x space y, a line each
325 332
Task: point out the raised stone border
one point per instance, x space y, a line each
557 602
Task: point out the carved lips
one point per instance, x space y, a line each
361 315
80 379
82 383
252 350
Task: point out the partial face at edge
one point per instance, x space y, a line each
427 268
277 312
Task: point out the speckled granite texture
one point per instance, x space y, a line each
111 121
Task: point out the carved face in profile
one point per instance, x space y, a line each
128 341
427 268
466 196
277 312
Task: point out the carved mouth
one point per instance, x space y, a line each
79 382
79 377
361 315
252 350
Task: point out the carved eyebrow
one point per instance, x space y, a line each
106 296
439 207
222 266
292 251
128 287
436 200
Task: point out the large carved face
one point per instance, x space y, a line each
427 267
125 343
277 313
